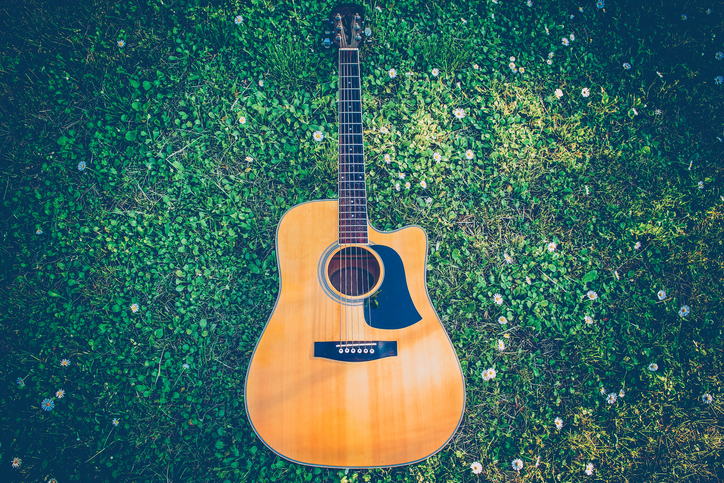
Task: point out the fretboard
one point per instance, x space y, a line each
352 188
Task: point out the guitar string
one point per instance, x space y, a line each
342 169
342 334
348 274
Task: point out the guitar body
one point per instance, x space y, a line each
315 410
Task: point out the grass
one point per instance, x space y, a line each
152 270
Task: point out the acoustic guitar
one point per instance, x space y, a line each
353 369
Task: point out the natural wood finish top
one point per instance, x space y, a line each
386 412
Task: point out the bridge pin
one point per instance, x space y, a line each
366 351
341 351
352 351
346 350
372 351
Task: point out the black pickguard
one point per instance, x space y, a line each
391 307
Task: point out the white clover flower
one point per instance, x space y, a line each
527 280
661 294
238 19
588 319
134 308
261 83
388 158
653 367
707 398
611 398
401 175
637 245
588 192
684 311
549 62
242 120
498 299
428 200
512 65
459 113
491 374
559 423
550 55
615 272
249 159
477 468
512 59
580 9
508 258
636 113
589 469
501 345
585 92
547 31
318 136
60 393
423 183
435 72
559 93
565 41
392 73
591 295
16 462
115 421
552 246
121 43
407 185
572 37
436 156
517 464
469 154
38 231
397 186
384 130
621 393
701 185
476 66
521 69
502 320
657 112
603 391
185 366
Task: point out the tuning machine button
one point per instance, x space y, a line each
327 43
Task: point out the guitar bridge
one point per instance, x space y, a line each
355 351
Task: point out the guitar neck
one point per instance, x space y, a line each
352 186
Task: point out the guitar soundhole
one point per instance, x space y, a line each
353 271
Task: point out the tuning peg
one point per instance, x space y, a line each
356 27
357 17
358 38
338 17
339 28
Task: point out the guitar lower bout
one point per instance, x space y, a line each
353 369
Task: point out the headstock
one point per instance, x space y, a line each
345 26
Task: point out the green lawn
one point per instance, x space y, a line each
139 215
